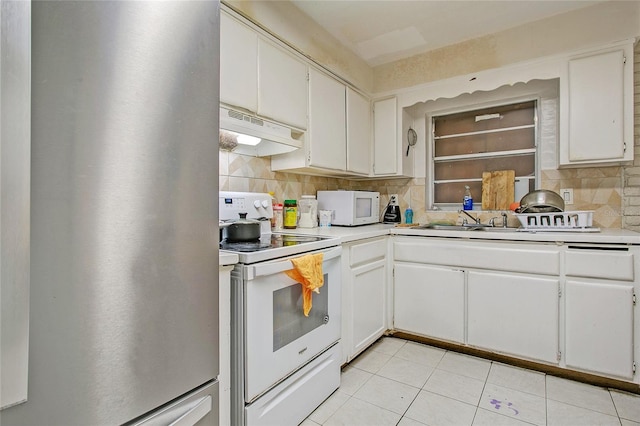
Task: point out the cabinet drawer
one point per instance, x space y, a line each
368 251
526 258
600 263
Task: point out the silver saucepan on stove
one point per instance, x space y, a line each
541 201
241 230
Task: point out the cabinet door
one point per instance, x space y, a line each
429 301
327 124
282 86
358 133
599 327
238 64
385 144
596 108
514 314
369 305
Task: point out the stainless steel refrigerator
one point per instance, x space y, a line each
123 300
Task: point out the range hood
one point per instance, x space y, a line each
274 138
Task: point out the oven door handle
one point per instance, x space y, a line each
272 268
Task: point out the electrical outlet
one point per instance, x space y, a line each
393 199
567 195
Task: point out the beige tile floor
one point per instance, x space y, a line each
397 382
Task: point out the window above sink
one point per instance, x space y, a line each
466 144
458 152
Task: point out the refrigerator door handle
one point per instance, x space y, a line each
180 414
193 416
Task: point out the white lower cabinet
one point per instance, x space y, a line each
499 296
599 309
429 300
599 327
570 306
514 314
364 295
368 292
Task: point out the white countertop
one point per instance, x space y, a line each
227 258
605 236
347 234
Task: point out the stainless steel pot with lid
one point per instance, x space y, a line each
241 230
541 201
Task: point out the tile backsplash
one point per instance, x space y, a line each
597 189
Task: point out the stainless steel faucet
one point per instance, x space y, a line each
476 220
492 221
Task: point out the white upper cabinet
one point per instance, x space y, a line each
238 64
391 153
338 138
282 86
597 109
260 77
358 133
385 144
327 122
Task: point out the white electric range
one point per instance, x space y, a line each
283 364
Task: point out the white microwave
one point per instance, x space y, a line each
351 208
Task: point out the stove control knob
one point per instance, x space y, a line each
265 203
256 204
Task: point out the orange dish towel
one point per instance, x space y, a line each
307 270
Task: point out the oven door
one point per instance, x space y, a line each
279 339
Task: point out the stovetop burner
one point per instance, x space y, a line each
268 242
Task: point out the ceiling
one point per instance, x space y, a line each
382 31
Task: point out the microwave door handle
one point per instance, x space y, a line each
272 268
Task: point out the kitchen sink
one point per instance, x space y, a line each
468 227
498 229
443 227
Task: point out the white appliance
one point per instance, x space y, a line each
283 364
351 208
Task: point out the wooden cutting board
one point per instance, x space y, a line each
498 189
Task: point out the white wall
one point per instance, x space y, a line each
584 28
